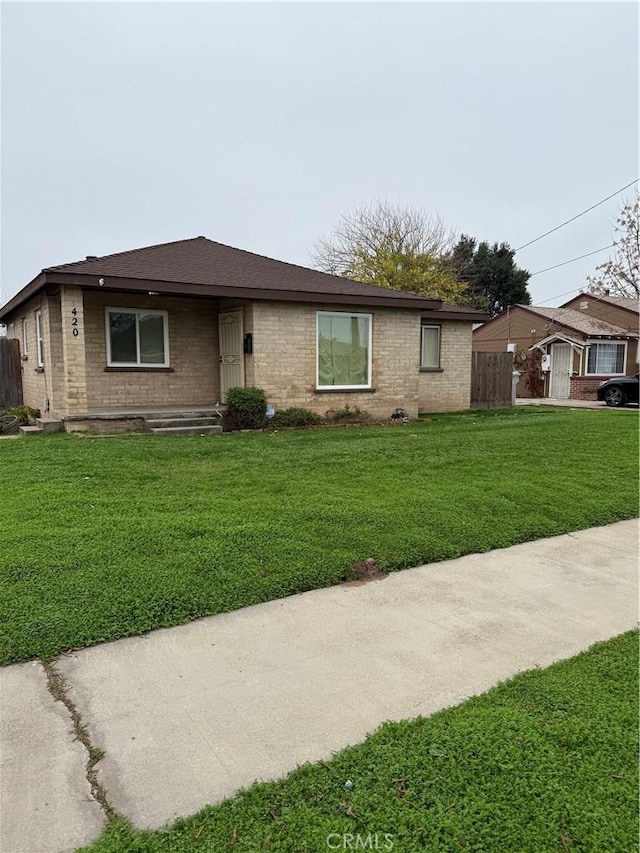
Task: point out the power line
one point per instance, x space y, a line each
579 258
566 293
577 216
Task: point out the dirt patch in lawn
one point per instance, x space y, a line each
364 571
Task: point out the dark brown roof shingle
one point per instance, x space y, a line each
203 261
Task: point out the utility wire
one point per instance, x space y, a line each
566 293
577 216
579 258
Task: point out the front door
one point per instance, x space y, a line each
561 358
231 352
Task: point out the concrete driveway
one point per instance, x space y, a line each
573 404
188 715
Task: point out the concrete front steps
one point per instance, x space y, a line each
183 426
158 422
42 425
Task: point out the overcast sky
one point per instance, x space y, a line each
257 125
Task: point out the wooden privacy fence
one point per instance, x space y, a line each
491 374
10 373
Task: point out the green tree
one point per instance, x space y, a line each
620 275
397 247
493 279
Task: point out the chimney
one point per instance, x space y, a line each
92 257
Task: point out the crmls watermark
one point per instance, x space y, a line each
370 841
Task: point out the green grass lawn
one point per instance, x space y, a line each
109 537
544 763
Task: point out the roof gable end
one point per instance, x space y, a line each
624 303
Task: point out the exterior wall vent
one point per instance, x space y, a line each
584 306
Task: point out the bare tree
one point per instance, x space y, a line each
398 247
620 275
368 231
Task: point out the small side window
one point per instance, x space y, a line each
430 346
39 340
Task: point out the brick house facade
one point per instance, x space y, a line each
175 325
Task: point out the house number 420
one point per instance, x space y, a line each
74 322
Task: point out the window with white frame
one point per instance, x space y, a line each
343 350
606 358
137 338
39 338
430 346
25 337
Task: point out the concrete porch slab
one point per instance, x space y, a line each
153 411
132 418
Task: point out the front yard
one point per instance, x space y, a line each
109 537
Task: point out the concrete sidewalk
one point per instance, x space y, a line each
188 715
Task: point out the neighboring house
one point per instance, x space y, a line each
583 342
176 325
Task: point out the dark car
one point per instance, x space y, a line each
619 391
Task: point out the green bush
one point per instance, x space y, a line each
246 408
25 413
295 417
347 416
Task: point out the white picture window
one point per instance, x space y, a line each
343 350
39 338
430 346
606 358
25 337
137 338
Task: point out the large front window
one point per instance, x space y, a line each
606 358
137 338
344 350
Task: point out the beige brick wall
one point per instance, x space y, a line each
40 384
193 354
284 359
54 361
73 350
450 389
283 362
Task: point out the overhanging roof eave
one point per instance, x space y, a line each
22 296
471 316
172 288
558 336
